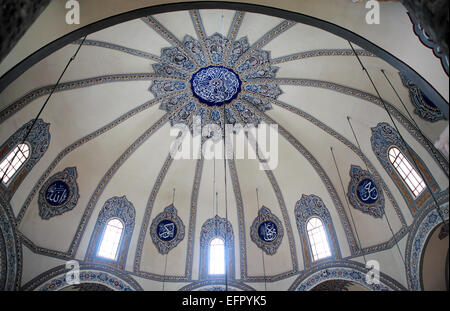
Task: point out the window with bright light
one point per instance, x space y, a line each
409 175
111 239
318 239
12 163
217 256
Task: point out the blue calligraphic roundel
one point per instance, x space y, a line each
367 191
166 230
57 193
267 231
215 85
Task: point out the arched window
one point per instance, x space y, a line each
409 175
317 234
112 233
217 257
17 158
111 239
13 161
216 249
397 158
317 239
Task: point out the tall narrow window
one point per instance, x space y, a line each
111 239
13 161
317 239
409 175
217 256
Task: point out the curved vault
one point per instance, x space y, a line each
111 115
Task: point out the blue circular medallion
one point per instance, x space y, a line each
57 193
215 85
367 191
166 230
268 231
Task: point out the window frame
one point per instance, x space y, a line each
20 168
224 257
327 239
413 169
119 245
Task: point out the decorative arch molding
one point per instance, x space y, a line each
424 108
307 207
343 270
426 40
114 208
424 224
10 249
346 34
214 285
216 227
384 136
55 279
38 140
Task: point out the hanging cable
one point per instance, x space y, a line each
43 106
400 135
262 251
214 187
165 267
225 173
165 264
385 214
348 206
217 203
427 141
226 199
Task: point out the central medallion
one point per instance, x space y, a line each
215 85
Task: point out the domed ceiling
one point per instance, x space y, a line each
110 138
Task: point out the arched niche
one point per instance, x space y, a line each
338 286
434 262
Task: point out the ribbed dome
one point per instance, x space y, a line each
110 140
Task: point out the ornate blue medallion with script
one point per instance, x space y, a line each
57 193
215 85
364 192
367 191
167 230
267 231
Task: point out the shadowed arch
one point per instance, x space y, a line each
343 270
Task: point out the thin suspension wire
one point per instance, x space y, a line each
173 196
165 267
348 207
43 106
214 187
225 176
385 214
226 199
217 203
400 135
427 141
262 252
